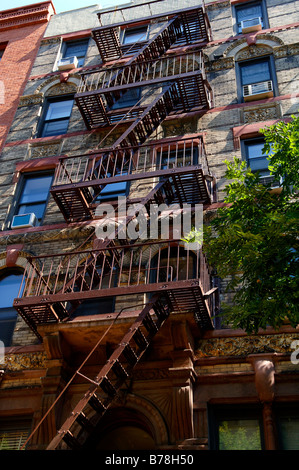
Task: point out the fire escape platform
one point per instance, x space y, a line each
191 88
185 297
188 187
194 28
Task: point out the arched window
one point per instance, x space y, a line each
9 290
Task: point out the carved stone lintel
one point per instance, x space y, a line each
30 100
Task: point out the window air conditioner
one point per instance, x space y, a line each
254 24
68 63
24 221
258 90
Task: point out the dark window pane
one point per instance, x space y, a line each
36 189
37 209
55 128
59 109
128 99
239 434
95 307
248 12
77 49
135 35
255 72
9 289
113 191
34 196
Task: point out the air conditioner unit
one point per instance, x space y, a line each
68 63
258 90
24 221
254 24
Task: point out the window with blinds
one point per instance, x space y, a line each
13 434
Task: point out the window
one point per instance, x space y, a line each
133 35
257 79
34 195
113 191
9 289
256 160
128 99
56 116
241 427
236 429
177 158
75 48
14 433
2 49
250 17
287 423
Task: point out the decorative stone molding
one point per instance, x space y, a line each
172 129
44 150
220 64
30 100
25 361
252 52
286 50
260 113
62 89
47 85
22 17
218 5
259 40
47 41
242 346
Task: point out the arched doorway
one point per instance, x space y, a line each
122 429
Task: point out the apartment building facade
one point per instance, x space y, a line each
21 30
115 342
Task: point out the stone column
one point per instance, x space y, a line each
264 382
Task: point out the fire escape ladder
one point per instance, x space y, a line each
75 200
155 113
119 367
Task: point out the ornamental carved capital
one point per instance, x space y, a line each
264 369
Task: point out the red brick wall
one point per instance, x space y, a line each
22 42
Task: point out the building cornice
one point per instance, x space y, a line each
26 16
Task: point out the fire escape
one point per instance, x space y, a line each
174 280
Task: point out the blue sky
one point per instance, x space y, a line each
64 5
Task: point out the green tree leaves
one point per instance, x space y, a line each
253 240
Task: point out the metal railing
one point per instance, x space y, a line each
164 155
147 71
107 271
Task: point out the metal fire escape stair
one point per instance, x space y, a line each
87 277
75 200
110 47
91 104
106 385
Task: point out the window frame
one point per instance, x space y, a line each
270 59
21 184
237 7
244 150
132 30
10 314
43 121
65 45
218 413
